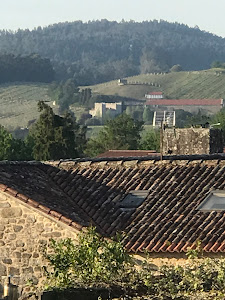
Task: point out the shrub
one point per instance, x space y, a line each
96 262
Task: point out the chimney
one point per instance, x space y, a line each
189 141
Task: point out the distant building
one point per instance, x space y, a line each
102 110
122 81
154 95
191 105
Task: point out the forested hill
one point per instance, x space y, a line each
100 51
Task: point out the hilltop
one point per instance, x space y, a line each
99 51
176 85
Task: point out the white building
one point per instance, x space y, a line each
154 95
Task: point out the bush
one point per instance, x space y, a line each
93 262
99 263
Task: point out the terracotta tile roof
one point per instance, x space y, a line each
154 93
174 102
82 191
128 153
30 183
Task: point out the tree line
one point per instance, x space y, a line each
98 51
31 68
54 137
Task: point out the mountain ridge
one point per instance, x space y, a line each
99 51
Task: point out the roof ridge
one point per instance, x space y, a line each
22 162
202 157
216 156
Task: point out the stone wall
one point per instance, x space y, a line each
188 141
23 231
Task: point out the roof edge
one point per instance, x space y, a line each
217 156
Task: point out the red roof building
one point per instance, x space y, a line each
154 95
170 214
191 105
186 102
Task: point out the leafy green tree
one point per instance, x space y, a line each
147 115
123 132
150 140
11 148
94 261
5 143
185 118
55 137
198 119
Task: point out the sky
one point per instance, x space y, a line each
208 15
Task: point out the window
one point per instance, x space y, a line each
134 199
214 201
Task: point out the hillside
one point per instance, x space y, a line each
177 85
18 103
99 51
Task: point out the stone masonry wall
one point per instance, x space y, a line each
23 231
188 141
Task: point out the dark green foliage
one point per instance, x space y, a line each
135 111
147 115
13 149
99 51
186 119
67 93
121 133
55 137
5 143
198 120
93 122
96 262
93 262
150 140
30 68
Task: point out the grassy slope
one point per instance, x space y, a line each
18 102
180 85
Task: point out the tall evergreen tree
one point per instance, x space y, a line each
55 137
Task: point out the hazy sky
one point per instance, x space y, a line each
207 14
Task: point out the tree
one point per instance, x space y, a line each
11 148
5 143
150 140
55 137
121 133
94 261
147 115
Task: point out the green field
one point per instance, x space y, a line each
18 103
177 85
